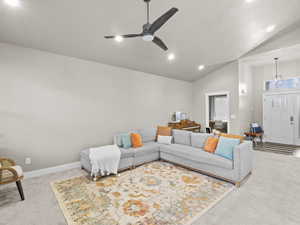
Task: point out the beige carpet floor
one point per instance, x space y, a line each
270 197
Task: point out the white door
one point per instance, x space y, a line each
297 120
279 119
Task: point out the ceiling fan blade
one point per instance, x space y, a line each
125 36
157 24
160 43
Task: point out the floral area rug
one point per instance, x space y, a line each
157 193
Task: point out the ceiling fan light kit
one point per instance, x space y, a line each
148 37
149 29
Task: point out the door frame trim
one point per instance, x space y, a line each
207 95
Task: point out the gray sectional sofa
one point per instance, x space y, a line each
185 151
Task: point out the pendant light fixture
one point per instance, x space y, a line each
277 76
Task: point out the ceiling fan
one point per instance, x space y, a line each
149 30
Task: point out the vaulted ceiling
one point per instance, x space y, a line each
209 32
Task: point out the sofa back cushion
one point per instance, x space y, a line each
226 146
182 137
242 138
148 134
198 139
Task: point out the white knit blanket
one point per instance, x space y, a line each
105 160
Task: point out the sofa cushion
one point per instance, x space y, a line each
198 139
195 154
118 140
136 140
226 146
242 138
148 135
126 140
166 140
211 144
164 131
127 153
182 137
148 148
118 137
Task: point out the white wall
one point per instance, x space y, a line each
245 97
287 69
53 106
225 79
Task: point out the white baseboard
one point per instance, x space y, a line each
41 172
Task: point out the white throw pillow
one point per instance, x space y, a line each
166 140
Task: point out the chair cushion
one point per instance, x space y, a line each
148 135
198 139
136 140
18 169
148 148
182 137
197 155
6 175
226 146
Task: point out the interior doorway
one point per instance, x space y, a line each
217 111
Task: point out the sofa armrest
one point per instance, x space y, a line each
8 175
243 159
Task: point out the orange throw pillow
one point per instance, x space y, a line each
136 140
163 131
233 136
211 144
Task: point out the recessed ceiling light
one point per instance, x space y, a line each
270 28
201 67
119 38
13 3
171 56
249 1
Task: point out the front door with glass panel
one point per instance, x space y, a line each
281 118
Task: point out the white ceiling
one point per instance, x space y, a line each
210 32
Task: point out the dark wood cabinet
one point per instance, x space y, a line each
185 125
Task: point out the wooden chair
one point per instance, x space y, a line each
10 172
255 132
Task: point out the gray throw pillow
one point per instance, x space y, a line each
182 137
148 134
198 139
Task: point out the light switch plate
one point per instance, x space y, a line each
27 161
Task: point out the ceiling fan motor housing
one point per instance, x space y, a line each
146 28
